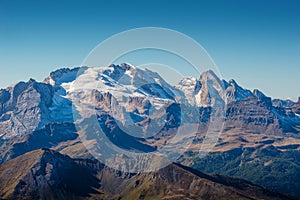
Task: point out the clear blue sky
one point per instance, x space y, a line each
256 42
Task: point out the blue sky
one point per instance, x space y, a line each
255 42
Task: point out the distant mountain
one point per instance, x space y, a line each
131 103
45 174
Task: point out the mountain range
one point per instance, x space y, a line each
43 155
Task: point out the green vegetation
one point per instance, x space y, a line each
268 167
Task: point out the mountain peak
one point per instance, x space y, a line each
31 80
232 81
127 66
209 73
262 97
259 94
211 76
123 67
63 75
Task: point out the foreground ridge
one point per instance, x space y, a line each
48 174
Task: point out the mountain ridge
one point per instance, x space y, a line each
41 168
223 93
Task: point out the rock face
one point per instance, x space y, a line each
24 107
243 115
45 174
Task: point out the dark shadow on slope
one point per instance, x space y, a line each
120 138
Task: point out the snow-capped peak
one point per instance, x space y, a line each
210 90
189 86
64 75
